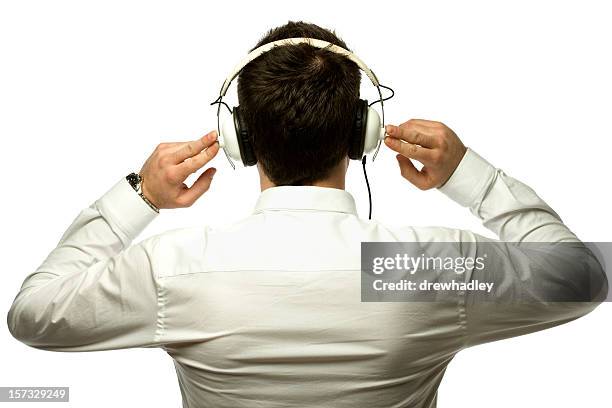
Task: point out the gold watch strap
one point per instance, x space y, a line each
146 200
136 181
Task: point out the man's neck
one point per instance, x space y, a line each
265 184
336 180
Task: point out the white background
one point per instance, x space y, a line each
88 89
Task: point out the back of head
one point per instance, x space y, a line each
299 104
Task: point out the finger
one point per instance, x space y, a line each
410 173
171 145
414 133
410 150
194 163
199 187
194 147
427 123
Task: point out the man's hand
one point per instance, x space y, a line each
431 143
168 167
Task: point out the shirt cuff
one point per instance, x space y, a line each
471 177
127 213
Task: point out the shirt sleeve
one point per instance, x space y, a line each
545 276
93 291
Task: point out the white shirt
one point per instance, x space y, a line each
267 312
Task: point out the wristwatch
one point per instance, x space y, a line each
135 181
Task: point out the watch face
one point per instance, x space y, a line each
134 180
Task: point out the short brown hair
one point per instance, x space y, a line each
299 105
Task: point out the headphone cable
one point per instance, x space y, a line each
365 174
381 99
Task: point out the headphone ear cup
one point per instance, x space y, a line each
247 154
374 132
228 139
356 143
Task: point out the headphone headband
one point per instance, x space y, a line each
295 41
376 127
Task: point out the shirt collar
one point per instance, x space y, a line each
306 198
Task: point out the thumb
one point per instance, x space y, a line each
198 188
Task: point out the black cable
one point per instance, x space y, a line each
380 100
219 101
365 174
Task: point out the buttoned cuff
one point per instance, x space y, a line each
127 213
472 176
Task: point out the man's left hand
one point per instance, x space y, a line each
168 167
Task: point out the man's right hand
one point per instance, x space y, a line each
433 144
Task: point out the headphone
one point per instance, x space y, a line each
368 128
